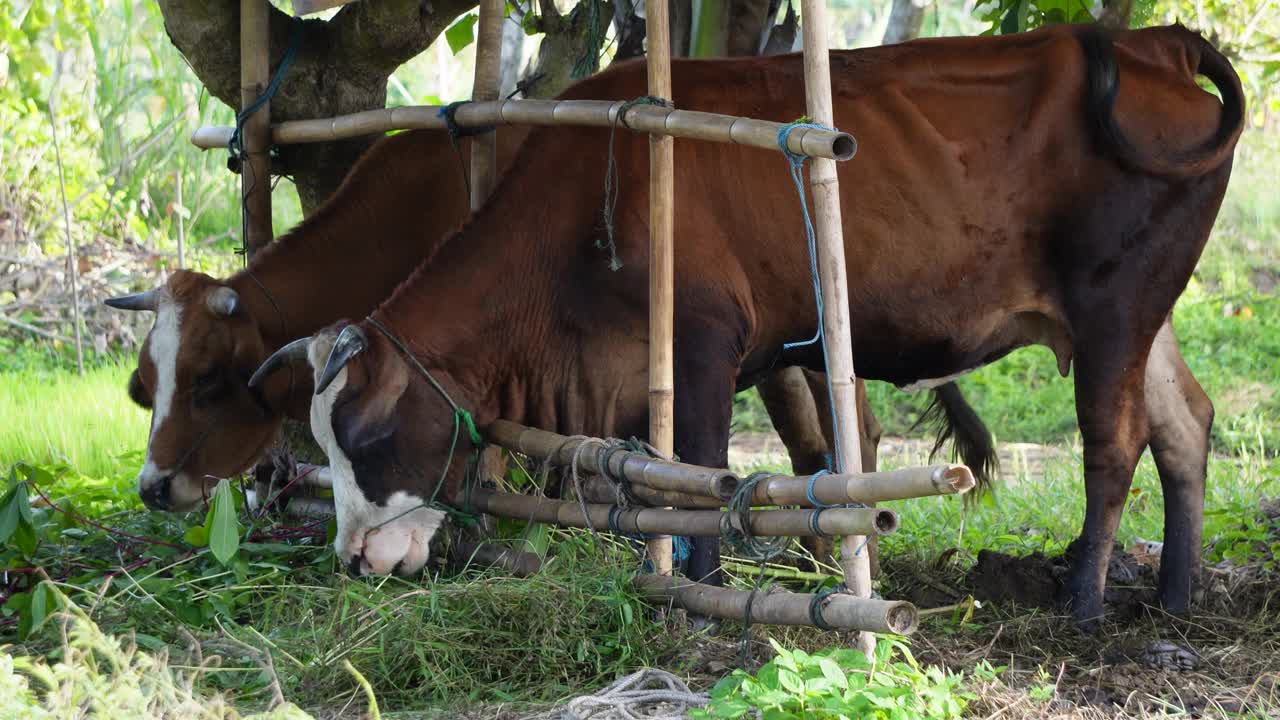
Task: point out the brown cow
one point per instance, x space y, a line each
1050 188
395 206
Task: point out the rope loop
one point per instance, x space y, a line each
456 131
611 182
815 606
236 144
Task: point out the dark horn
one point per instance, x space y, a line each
350 343
148 300
295 351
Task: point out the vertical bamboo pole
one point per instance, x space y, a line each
661 263
484 147
854 559
255 174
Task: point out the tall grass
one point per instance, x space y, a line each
54 417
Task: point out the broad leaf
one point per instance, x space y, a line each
462 33
221 524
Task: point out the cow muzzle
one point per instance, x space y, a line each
400 547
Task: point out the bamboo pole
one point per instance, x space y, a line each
834 489
654 473
854 559
661 263
517 562
690 124
484 147
484 150
696 523
255 173
840 611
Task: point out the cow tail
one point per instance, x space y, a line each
953 418
1104 83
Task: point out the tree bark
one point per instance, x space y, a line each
341 67
567 40
905 20
749 25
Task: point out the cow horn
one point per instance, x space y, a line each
295 351
350 343
148 300
223 301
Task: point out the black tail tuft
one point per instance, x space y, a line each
953 418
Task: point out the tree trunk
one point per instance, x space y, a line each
749 25
570 48
905 20
512 54
341 66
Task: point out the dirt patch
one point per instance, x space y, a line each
1039 581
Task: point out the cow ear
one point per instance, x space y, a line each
364 416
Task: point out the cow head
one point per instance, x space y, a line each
390 440
193 372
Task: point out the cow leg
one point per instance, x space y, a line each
1113 425
869 433
1180 415
796 418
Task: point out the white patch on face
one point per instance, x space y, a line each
393 537
932 383
163 350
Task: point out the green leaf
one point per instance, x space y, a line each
24 538
221 524
832 672
10 512
462 32
196 536
791 681
44 602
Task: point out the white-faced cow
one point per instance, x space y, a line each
1054 187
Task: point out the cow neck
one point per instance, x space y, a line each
394 210
482 312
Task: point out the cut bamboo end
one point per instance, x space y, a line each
870 487
691 124
839 611
886 521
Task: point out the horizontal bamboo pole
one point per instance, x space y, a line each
839 610
868 487
833 489
663 475
517 562
812 142
693 523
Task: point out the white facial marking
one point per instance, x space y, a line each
932 383
396 536
163 350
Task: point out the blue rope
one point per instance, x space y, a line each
295 40
796 161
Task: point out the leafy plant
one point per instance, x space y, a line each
840 683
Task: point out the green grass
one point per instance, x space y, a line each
55 417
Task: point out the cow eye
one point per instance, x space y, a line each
137 392
210 386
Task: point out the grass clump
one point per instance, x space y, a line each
103 676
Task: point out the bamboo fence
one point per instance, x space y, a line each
840 611
690 124
255 138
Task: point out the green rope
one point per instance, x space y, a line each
461 418
595 35
611 182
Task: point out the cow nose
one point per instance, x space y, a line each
353 566
156 495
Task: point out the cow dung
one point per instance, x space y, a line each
1039 580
